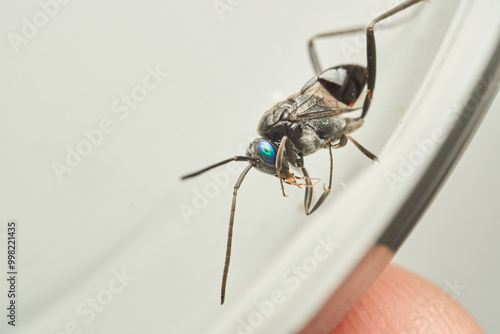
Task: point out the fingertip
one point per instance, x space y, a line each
401 302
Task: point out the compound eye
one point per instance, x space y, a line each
267 151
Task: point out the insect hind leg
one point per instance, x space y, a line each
370 49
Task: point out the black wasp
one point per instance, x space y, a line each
318 116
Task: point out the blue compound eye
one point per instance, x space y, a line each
267 152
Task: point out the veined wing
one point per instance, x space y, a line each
316 102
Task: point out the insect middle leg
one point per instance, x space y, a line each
326 191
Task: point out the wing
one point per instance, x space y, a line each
316 102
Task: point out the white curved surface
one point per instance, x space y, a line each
118 210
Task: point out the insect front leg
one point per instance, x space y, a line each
286 148
279 162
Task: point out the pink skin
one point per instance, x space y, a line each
402 302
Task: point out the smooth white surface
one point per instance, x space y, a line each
119 209
456 241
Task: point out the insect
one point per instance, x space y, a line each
321 115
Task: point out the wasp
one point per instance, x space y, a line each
322 115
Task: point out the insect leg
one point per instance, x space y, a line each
279 162
343 142
312 48
230 233
361 148
286 148
370 48
371 51
309 192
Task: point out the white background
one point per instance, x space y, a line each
119 209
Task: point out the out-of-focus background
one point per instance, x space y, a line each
105 105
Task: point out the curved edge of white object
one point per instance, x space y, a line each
459 87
